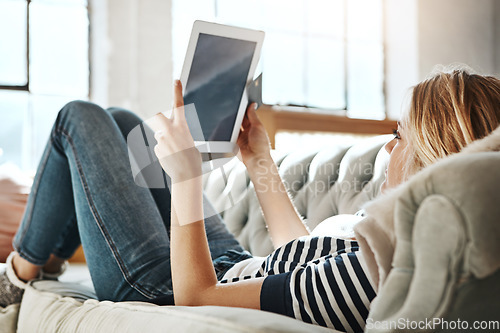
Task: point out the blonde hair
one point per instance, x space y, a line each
448 111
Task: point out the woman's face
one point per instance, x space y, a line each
398 154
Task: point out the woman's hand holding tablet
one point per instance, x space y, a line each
220 62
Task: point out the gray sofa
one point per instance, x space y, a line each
444 273
323 183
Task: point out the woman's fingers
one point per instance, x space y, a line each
246 119
158 135
245 124
252 115
158 122
178 101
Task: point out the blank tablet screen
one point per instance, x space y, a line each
215 84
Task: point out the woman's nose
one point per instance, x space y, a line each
390 145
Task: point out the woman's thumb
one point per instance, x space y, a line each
252 115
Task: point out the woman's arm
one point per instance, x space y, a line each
193 276
282 219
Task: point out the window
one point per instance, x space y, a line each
44 63
326 54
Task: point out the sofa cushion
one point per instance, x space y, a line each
51 306
8 318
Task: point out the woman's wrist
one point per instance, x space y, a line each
182 165
187 201
262 170
258 161
190 172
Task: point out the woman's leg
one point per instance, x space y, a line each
219 237
126 246
85 173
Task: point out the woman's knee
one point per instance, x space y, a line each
82 111
125 119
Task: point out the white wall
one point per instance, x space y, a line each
401 53
496 22
421 34
131 54
456 31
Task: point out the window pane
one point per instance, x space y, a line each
43 110
242 13
59 47
283 69
184 13
13 126
364 19
365 59
25 124
284 15
325 74
365 81
325 18
304 54
13 54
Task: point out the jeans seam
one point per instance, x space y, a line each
99 223
29 212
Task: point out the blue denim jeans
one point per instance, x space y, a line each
84 192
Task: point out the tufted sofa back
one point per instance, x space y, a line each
323 182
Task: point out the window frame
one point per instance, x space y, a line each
29 149
344 110
26 87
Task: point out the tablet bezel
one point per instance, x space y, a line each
221 30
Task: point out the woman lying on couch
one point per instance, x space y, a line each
154 245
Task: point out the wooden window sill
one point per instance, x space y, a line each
281 119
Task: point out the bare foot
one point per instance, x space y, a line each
24 270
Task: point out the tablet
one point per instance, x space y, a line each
220 62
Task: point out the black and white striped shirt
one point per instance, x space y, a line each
319 280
